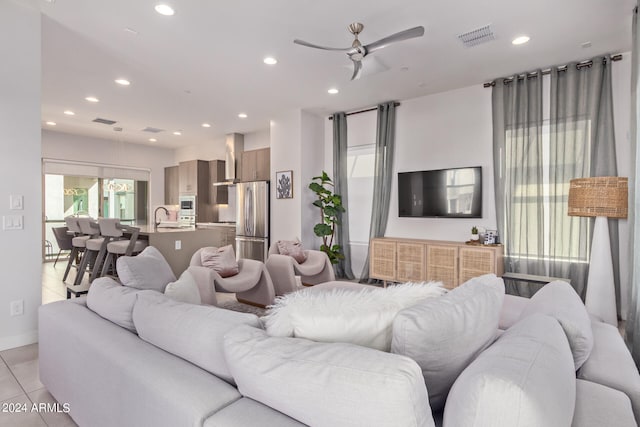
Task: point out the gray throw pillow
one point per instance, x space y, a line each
147 270
558 299
445 334
112 301
221 260
524 379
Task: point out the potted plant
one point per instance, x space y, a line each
330 205
474 233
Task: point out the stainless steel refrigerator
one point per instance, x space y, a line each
252 220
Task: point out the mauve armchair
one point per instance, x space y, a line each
252 285
283 270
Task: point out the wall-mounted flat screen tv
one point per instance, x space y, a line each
443 193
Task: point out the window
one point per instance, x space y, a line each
563 237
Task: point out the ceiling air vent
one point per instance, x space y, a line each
152 130
104 121
117 129
477 36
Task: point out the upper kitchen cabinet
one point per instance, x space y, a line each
171 192
256 165
218 194
194 179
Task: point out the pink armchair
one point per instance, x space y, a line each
252 285
284 269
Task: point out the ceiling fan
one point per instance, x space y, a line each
358 51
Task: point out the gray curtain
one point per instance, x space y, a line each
581 106
518 174
534 164
383 175
632 329
343 268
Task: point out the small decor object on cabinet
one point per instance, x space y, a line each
474 234
491 237
284 185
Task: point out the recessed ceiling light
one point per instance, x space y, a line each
206 125
270 61
92 99
51 123
520 40
123 82
178 133
333 91
131 31
152 140
164 9
242 115
69 113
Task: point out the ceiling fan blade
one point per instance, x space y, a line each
357 68
397 37
315 46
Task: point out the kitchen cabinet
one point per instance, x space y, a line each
171 191
256 165
194 178
413 260
218 194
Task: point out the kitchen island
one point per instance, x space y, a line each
177 245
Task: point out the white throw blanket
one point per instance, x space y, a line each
362 316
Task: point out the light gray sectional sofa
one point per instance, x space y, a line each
167 363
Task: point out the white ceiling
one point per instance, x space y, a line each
204 64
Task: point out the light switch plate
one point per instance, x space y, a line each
178 245
16 202
12 222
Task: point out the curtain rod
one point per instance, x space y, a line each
397 104
580 65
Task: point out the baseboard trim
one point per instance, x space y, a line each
14 341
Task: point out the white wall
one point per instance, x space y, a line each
256 140
312 139
21 250
59 145
213 150
286 215
445 130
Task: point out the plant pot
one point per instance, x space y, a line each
475 237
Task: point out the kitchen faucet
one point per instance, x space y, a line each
156 223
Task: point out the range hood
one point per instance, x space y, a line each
234 146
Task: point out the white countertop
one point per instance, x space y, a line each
215 224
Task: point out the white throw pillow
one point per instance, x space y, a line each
558 299
185 289
525 379
147 270
322 384
360 316
443 335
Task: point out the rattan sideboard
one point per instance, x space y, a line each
452 263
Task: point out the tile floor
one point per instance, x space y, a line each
20 388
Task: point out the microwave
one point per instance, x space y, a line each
187 203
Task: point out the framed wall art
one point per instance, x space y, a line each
284 185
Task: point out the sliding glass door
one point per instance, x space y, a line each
91 190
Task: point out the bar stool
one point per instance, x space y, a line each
77 243
89 227
128 247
